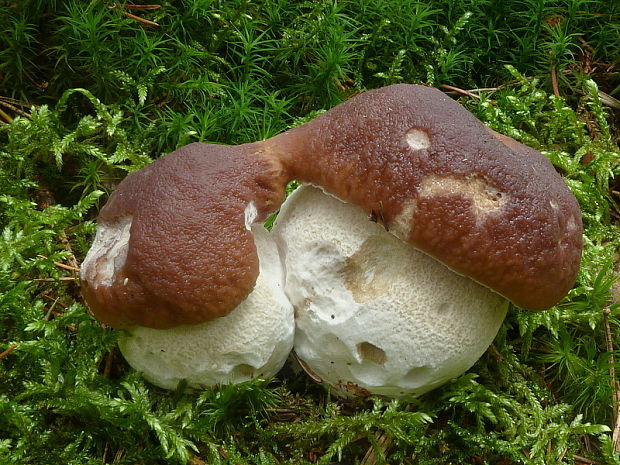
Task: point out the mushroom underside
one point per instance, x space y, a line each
372 312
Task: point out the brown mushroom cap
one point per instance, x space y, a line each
190 257
412 158
485 205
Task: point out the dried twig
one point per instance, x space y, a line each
8 351
40 84
62 265
195 460
5 116
55 300
105 454
20 103
483 89
48 315
460 91
107 368
554 82
66 267
579 458
316 378
608 100
118 456
53 280
467 93
72 260
495 353
142 20
384 441
141 7
14 108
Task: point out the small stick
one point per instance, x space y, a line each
142 20
483 89
279 410
41 85
118 456
466 93
14 108
195 460
72 260
14 101
141 7
6 117
49 312
385 441
614 384
554 82
8 351
608 100
222 452
460 91
579 458
61 265
316 378
45 296
493 351
107 369
53 280
66 267
105 454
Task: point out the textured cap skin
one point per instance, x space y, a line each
173 245
190 257
485 205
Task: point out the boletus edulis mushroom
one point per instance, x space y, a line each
176 249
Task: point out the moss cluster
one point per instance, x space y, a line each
88 93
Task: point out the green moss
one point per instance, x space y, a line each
115 94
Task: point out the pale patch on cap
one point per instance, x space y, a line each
417 139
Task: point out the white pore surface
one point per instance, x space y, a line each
371 310
253 341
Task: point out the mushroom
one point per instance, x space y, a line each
179 244
253 341
485 205
175 244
